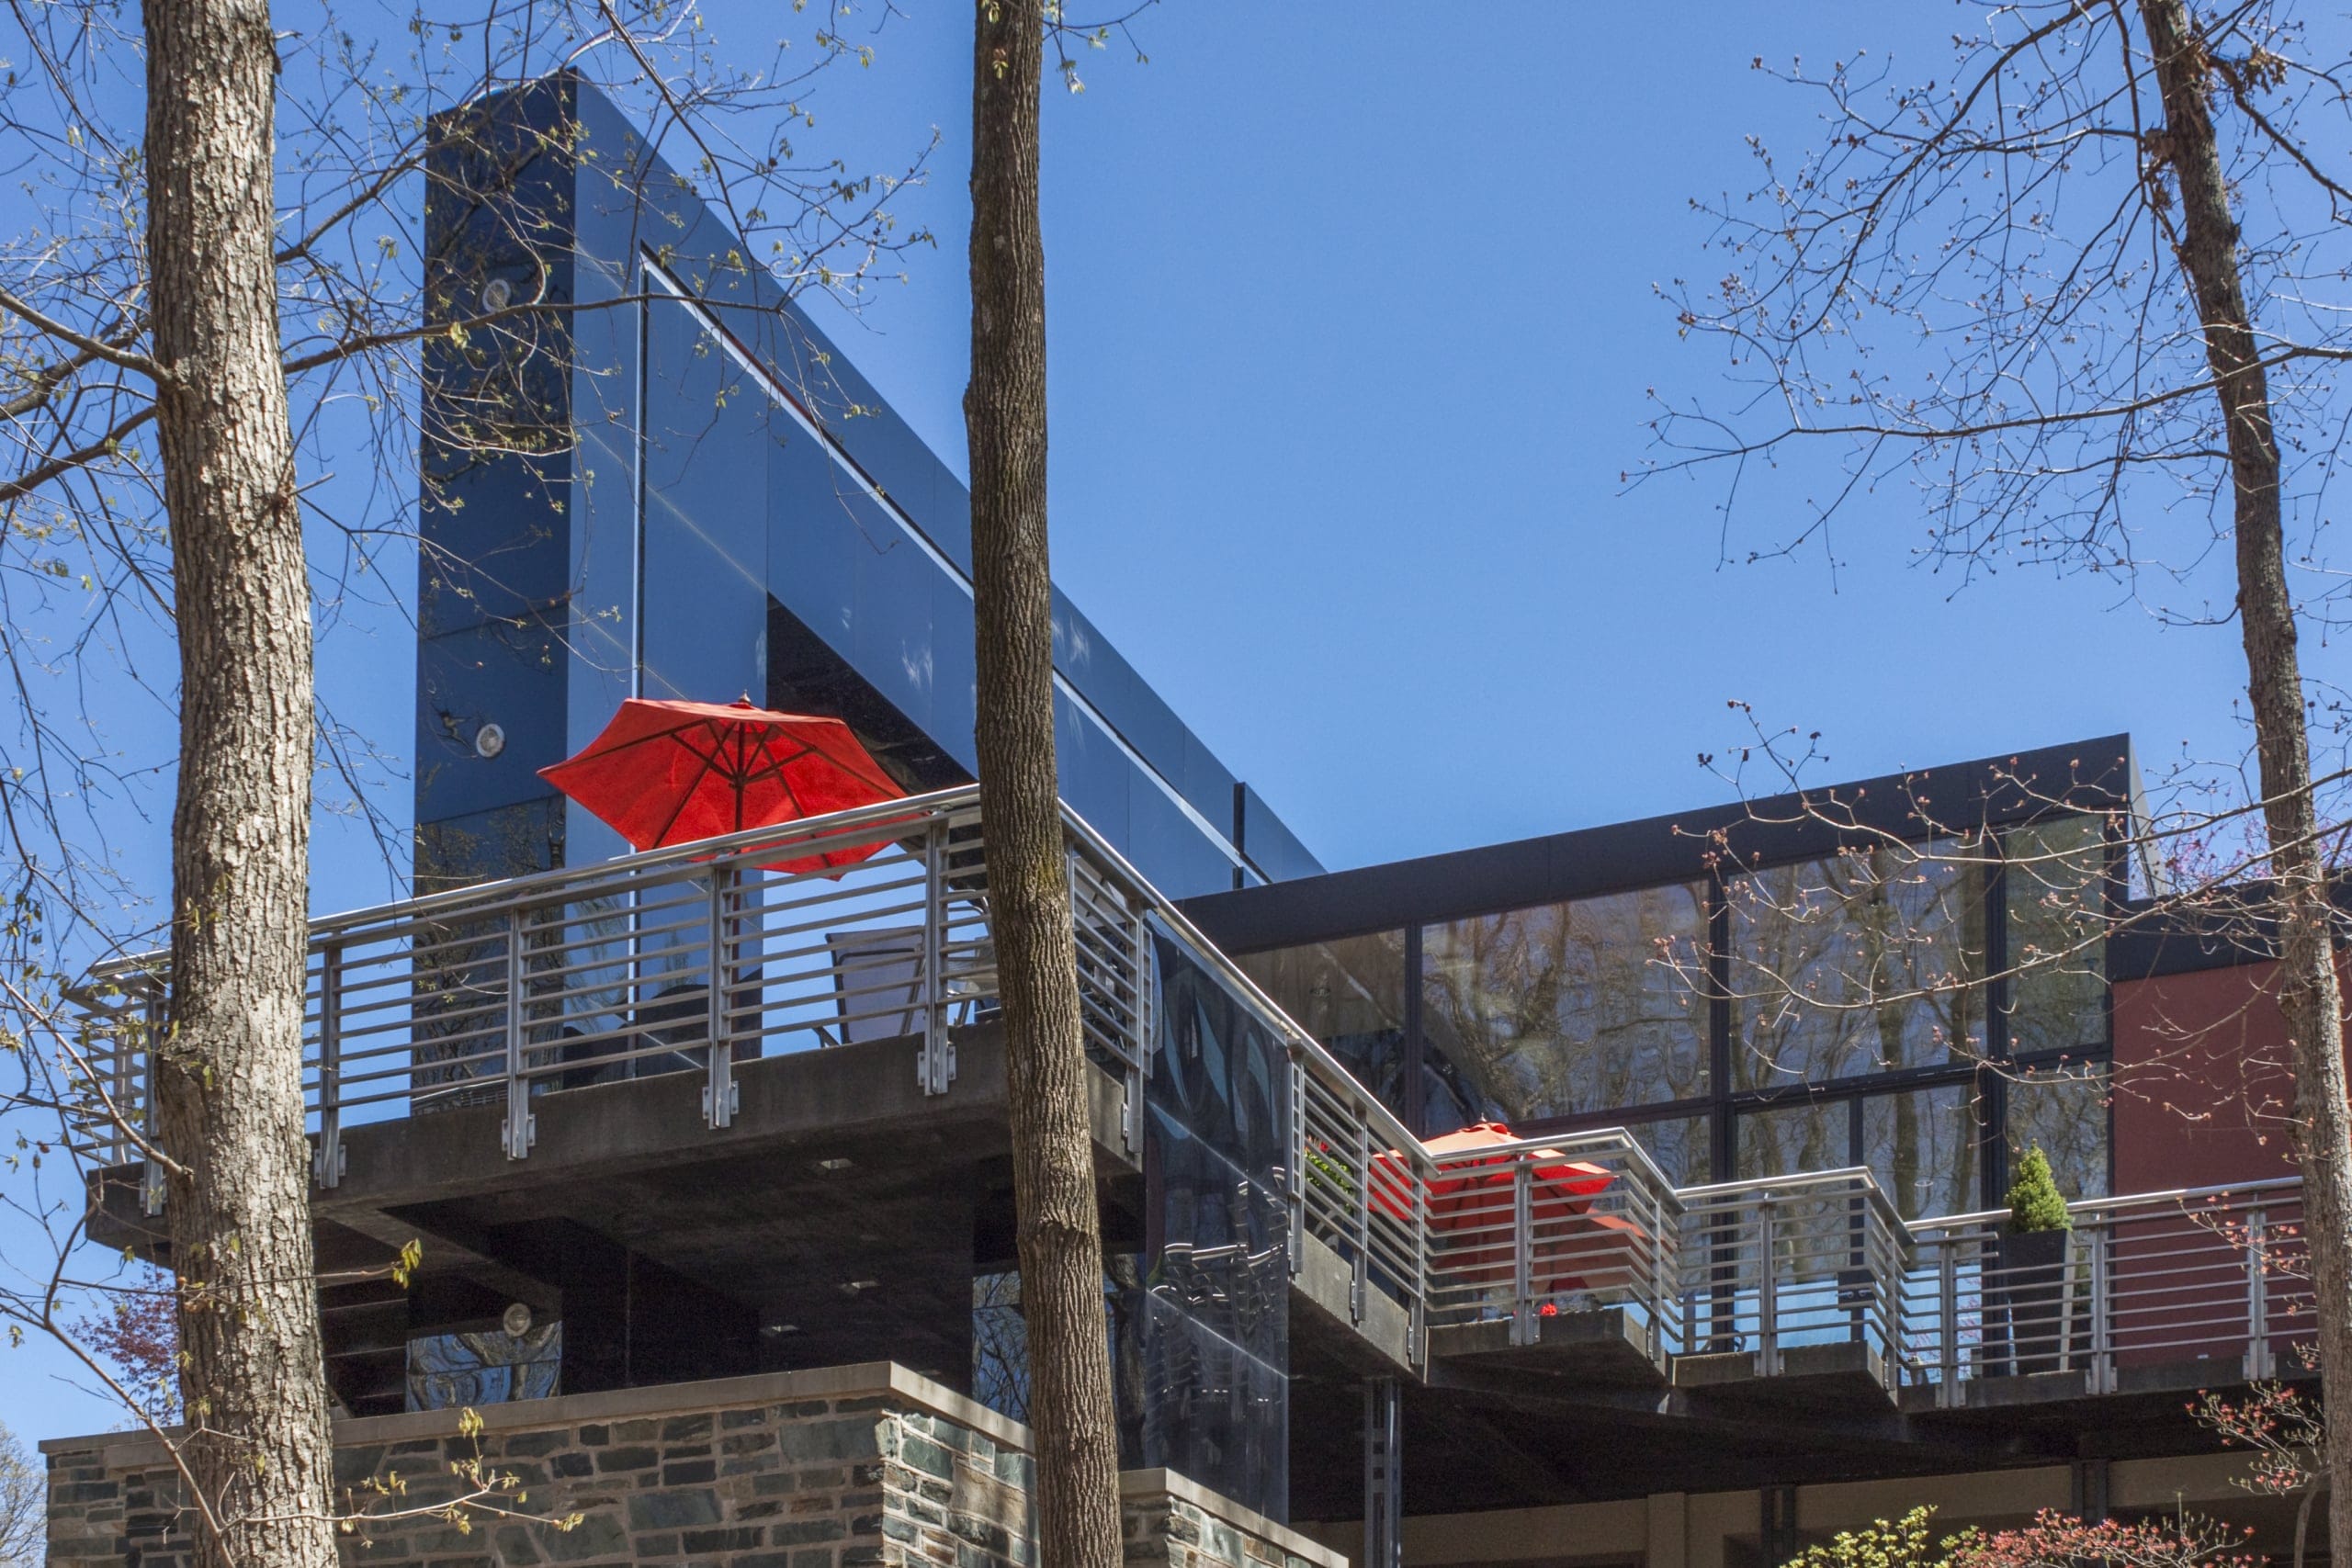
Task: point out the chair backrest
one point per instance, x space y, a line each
877 981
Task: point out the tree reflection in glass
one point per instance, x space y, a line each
1923 1146
1349 994
1863 962
2056 876
2064 1111
1578 1007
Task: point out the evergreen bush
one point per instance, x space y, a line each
2035 1202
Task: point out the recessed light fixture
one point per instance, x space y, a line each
852 1287
837 1163
772 1329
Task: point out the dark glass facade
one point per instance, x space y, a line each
1925 1009
679 488
1211 1326
682 470
1866 962
1571 1007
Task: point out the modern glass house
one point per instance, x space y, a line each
709 1159
1771 986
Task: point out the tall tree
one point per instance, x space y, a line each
1059 1235
2207 243
211 306
2053 288
229 1075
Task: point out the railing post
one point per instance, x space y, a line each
1417 1333
718 1102
2102 1368
1948 1321
1360 1275
1663 1256
2257 1298
1768 1299
124 1092
1144 990
327 1165
936 1068
1298 1171
151 1178
1522 1247
521 1129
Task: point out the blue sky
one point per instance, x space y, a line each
1352 333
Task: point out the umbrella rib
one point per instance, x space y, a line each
685 796
738 757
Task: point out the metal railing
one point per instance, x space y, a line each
864 925
872 925
2215 1275
1786 1261
1530 1230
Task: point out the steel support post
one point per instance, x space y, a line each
1144 1000
1522 1247
1360 1276
151 1178
1768 1297
1776 1508
521 1130
2257 1298
1297 1163
327 1165
1948 1322
718 1104
1383 1480
1417 1332
937 1067
2102 1287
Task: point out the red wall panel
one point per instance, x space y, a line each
2202 1091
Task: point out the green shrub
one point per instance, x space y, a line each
2035 1202
1905 1543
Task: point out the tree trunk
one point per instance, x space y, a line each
1029 905
230 1077
2307 982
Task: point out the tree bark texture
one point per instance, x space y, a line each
228 1076
1029 900
2207 240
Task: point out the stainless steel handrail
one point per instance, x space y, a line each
673 960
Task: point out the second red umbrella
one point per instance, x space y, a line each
671 773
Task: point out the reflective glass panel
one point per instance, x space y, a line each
1861 962
1787 1139
2064 1111
1923 1146
1592 1005
1678 1144
1349 994
2055 874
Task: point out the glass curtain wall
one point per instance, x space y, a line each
1926 1010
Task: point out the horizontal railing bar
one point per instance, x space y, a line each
831 835
1994 1218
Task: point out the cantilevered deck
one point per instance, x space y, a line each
753 1089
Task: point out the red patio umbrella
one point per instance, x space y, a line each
1470 1207
670 772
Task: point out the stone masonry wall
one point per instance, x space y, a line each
838 1468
